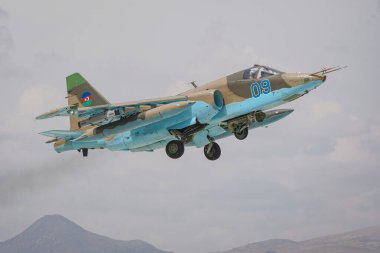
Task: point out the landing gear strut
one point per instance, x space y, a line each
212 151
242 134
85 152
175 149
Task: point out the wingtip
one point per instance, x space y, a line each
44 133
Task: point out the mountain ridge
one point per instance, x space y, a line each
57 234
365 240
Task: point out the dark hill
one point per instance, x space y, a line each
56 234
365 240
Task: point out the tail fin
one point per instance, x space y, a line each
80 93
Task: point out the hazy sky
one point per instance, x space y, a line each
313 173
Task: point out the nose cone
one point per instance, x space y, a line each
296 79
315 78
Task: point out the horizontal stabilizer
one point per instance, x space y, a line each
64 111
63 134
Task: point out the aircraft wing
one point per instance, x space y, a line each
111 110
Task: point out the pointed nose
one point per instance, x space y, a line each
324 77
295 79
316 77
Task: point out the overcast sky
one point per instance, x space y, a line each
313 173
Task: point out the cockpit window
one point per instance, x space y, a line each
250 73
266 71
258 72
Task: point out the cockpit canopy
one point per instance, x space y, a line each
258 72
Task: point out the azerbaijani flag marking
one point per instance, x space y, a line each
86 98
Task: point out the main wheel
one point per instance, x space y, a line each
212 151
241 135
175 149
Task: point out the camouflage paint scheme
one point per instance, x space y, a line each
197 117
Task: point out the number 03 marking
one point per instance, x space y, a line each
262 88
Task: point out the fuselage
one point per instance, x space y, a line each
256 89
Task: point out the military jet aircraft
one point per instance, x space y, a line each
231 105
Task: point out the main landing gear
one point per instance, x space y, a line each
242 134
175 149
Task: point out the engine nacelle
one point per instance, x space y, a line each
211 97
212 104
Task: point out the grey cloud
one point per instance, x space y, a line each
8 69
48 57
3 13
6 41
38 176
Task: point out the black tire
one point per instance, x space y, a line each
242 134
214 152
175 149
85 152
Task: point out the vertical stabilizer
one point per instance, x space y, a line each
80 93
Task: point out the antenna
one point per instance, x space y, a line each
194 84
325 71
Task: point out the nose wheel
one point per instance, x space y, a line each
175 149
212 151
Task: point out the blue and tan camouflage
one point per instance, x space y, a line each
231 105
